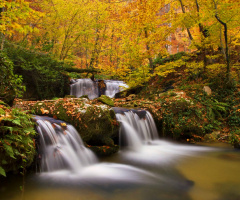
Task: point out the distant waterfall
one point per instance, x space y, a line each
61 146
84 87
81 87
113 87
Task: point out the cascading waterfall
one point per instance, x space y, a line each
137 126
64 158
139 137
80 87
61 146
113 87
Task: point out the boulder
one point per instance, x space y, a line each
106 100
207 89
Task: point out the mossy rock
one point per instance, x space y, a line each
213 137
70 96
84 96
96 123
106 100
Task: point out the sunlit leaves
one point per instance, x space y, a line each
16 17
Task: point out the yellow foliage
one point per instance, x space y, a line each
194 66
17 17
170 67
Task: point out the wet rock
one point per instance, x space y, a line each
96 123
207 89
212 137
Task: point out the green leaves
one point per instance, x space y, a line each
2 172
8 149
16 139
11 84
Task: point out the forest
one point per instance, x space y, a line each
165 50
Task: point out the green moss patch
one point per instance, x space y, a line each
106 100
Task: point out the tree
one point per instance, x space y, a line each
15 19
209 17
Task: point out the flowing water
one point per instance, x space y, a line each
146 168
80 87
84 87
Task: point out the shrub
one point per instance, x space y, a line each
17 144
11 84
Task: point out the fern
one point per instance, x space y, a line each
9 150
16 139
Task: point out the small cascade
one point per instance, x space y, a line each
82 87
140 141
61 146
137 127
113 87
94 89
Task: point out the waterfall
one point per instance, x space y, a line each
61 146
81 87
65 159
137 127
113 87
84 87
140 141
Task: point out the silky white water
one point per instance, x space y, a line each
141 142
88 87
154 169
113 87
84 87
64 157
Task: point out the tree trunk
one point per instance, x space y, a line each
226 46
205 35
227 57
188 30
1 34
148 50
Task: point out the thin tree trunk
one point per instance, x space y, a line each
226 41
2 35
2 41
205 35
188 30
148 50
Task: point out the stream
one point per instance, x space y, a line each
145 168
209 175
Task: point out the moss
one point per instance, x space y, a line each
106 100
70 96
